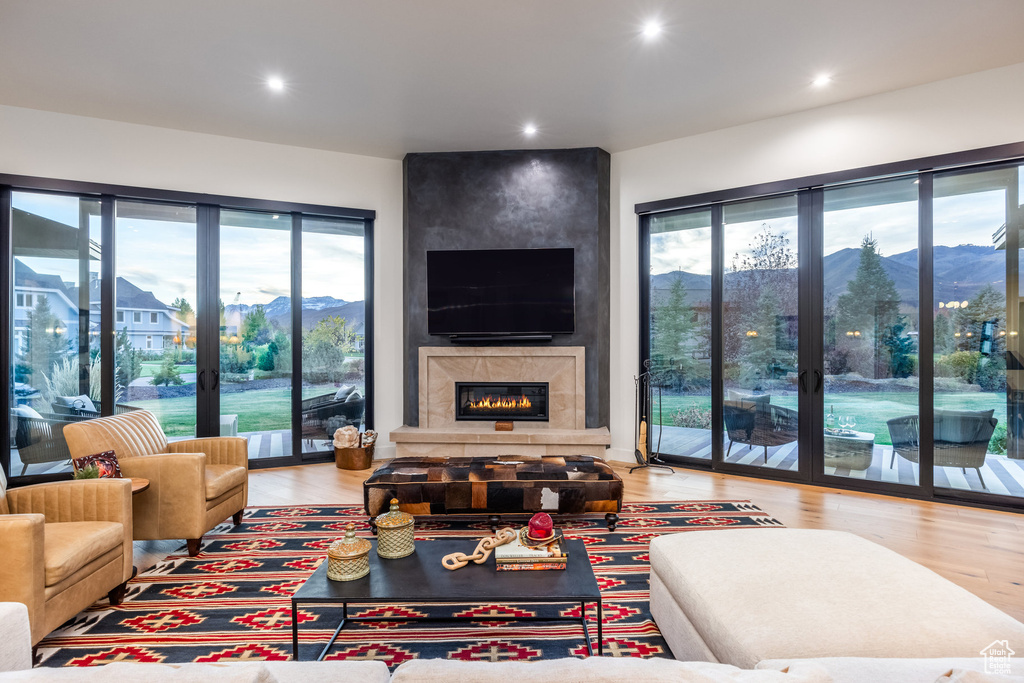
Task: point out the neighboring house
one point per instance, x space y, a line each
151 324
29 286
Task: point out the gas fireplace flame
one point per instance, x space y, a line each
489 402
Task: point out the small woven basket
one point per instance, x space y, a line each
395 533
348 558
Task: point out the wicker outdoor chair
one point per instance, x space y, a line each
41 439
320 412
961 439
759 423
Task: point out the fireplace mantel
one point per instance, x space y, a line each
565 433
562 367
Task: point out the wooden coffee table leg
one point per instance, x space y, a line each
600 634
494 521
612 519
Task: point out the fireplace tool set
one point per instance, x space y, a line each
642 405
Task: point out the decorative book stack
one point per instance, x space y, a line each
518 556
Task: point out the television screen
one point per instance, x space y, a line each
501 292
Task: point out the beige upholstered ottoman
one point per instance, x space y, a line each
745 595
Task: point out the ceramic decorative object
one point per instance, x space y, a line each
348 558
395 533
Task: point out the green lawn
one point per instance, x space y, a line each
150 367
872 409
258 410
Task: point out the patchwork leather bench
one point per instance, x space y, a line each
506 484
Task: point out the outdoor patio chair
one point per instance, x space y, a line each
961 439
343 407
75 405
759 423
39 437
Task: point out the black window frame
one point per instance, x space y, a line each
809 189
208 207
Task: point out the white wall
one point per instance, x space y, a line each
958 114
61 146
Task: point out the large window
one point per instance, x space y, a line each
197 308
680 333
759 332
870 332
979 405
156 268
333 329
55 360
865 329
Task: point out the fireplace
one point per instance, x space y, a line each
501 401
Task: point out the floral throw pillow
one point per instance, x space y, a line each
105 463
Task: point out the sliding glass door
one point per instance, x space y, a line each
191 310
333 330
870 333
854 333
979 393
760 333
55 357
255 377
155 330
680 334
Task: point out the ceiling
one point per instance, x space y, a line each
389 77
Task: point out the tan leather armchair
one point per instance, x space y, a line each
63 546
193 484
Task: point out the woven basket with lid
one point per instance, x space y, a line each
395 533
348 558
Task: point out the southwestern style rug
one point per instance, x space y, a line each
232 602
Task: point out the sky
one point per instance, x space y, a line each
160 256
958 219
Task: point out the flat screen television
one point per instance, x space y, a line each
501 292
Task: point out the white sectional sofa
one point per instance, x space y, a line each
741 606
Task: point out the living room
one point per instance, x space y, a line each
241 157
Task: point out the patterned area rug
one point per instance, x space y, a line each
232 602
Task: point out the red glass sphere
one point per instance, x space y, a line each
541 526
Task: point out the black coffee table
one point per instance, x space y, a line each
420 579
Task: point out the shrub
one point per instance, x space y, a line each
997 444
693 417
992 374
960 364
167 373
266 360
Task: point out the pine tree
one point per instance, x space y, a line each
671 330
870 310
988 305
943 334
47 343
256 327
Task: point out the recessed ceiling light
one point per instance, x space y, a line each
275 83
529 130
651 30
821 81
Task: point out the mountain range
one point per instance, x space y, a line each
314 309
960 272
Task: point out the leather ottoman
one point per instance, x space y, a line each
507 484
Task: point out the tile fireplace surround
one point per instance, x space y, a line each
439 434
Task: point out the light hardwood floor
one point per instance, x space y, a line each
981 550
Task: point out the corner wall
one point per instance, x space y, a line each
512 199
37 143
958 114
